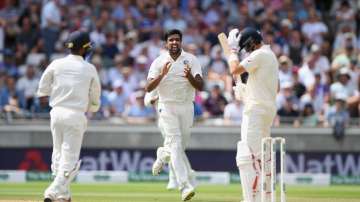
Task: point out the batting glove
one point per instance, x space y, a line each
233 40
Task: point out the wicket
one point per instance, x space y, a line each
268 168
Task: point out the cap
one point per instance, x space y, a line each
283 59
77 40
340 97
117 84
344 71
142 59
314 48
131 35
286 23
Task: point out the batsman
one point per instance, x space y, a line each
260 108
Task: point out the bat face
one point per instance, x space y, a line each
224 44
227 51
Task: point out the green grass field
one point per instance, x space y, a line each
148 192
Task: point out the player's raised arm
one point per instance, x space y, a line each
154 78
194 75
248 39
233 60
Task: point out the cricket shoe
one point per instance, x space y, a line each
50 193
57 193
48 200
157 167
58 200
162 156
187 193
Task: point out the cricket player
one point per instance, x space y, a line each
73 87
176 75
259 98
152 98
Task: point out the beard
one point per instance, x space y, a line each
174 50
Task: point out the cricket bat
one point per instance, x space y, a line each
226 49
224 44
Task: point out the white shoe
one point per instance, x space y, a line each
52 197
50 192
187 193
172 184
56 192
157 167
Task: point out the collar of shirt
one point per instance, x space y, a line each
180 56
77 57
265 46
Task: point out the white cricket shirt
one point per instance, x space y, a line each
174 87
263 68
71 82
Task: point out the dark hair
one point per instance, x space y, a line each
172 32
345 3
308 106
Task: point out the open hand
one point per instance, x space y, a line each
234 39
187 71
165 69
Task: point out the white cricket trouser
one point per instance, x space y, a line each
256 124
175 120
67 128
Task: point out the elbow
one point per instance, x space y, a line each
238 70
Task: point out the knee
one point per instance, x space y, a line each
173 142
244 155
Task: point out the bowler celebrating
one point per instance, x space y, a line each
176 75
259 99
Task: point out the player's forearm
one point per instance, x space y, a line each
153 83
236 68
197 82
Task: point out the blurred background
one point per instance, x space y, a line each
317 44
